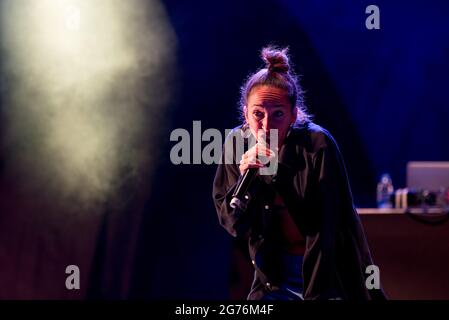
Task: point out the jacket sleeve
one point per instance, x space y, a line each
329 198
338 252
227 177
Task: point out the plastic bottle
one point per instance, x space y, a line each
385 191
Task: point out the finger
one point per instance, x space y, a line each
252 160
265 152
247 166
256 150
262 147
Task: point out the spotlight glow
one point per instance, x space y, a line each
72 18
81 74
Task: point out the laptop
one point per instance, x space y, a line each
427 175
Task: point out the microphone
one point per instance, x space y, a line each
240 197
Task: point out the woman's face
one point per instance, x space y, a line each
269 108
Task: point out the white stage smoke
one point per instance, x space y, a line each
85 88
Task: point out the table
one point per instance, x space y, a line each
411 250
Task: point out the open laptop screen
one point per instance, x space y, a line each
427 175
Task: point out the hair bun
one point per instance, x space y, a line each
276 60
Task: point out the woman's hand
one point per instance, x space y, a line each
251 158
